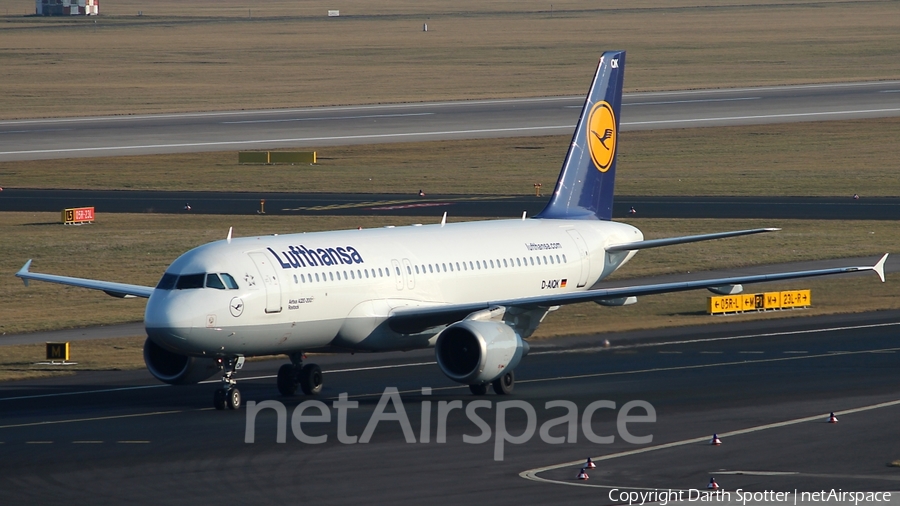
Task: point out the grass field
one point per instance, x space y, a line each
225 54
834 158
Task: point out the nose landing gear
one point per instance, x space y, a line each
228 394
307 376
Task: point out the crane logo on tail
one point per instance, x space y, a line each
601 139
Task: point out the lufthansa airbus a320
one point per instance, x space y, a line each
474 291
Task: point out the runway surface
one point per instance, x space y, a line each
368 124
510 206
766 388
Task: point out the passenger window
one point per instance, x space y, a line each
213 281
430 270
373 273
504 263
557 259
296 281
408 270
398 270
492 264
518 263
317 277
352 276
367 274
303 278
230 283
417 269
167 282
380 275
551 258
331 276
564 259
190 281
545 259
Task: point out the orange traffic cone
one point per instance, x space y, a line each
712 484
832 418
590 464
582 475
715 440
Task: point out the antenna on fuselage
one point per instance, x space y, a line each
444 219
524 213
228 238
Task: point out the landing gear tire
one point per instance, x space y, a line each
478 388
233 398
219 399
311 379
504 384
287 380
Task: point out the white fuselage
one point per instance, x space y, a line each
335 290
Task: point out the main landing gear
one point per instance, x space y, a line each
228 394
307 376
502 386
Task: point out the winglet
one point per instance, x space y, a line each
24 270
879 267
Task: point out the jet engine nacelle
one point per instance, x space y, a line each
176 369
473 352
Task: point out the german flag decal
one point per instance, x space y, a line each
562 284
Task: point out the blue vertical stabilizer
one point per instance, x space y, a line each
585 186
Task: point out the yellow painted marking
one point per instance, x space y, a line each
532 474
38 442
87 442
133 442
95 419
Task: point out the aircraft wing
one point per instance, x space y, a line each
121 290
669 241
417 319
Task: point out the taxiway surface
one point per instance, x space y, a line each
369 124
509 206
766 388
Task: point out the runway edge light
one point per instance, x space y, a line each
832 418
712 484
715 441
582 475
590 464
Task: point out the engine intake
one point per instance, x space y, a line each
176 369
474 352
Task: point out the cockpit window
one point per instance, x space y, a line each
167 282
229 281
213 281
188 281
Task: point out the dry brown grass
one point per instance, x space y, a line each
824 158
208 55
24 361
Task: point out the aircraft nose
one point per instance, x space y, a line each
168 318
